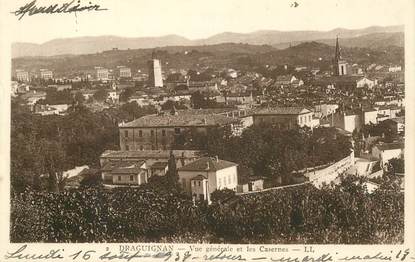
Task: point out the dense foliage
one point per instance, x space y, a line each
343 214
269 151
396 165
45 146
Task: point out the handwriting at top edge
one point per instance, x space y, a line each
69 7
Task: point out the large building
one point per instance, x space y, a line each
46 74
284 117
102 73
154 132
22 75
205 175
124 72
155 78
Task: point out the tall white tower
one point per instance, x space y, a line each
155 78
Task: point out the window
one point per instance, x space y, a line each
140 133
141 148
163 132
201 197
152 132
177 130
152 147
119 178
127 148
131 178
220 182
199 183
126 133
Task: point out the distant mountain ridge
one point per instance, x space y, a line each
392 35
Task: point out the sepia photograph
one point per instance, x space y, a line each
207 122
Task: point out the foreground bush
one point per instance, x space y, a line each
344 214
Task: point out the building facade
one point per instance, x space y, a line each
205 175
159 132
284 117
124 72
22 75
386 151
365 82
102 73
46 74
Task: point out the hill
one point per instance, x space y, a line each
376 41
321 55
238 56
273 37
90 45
171 56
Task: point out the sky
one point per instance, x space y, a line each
202 18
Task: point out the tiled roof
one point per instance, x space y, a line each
180 121
282 111
159 165
150 154
112 165
207 164
208 111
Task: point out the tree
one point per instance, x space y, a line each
127 93
172 174
54 162
101 95
220 196
131 111
79 98
91 181
396 165
54 97
169 104
197 100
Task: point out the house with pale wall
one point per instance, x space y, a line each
386 151
205 175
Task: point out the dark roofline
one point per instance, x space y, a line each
207 125
199 170
266 114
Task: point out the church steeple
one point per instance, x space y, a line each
336 57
